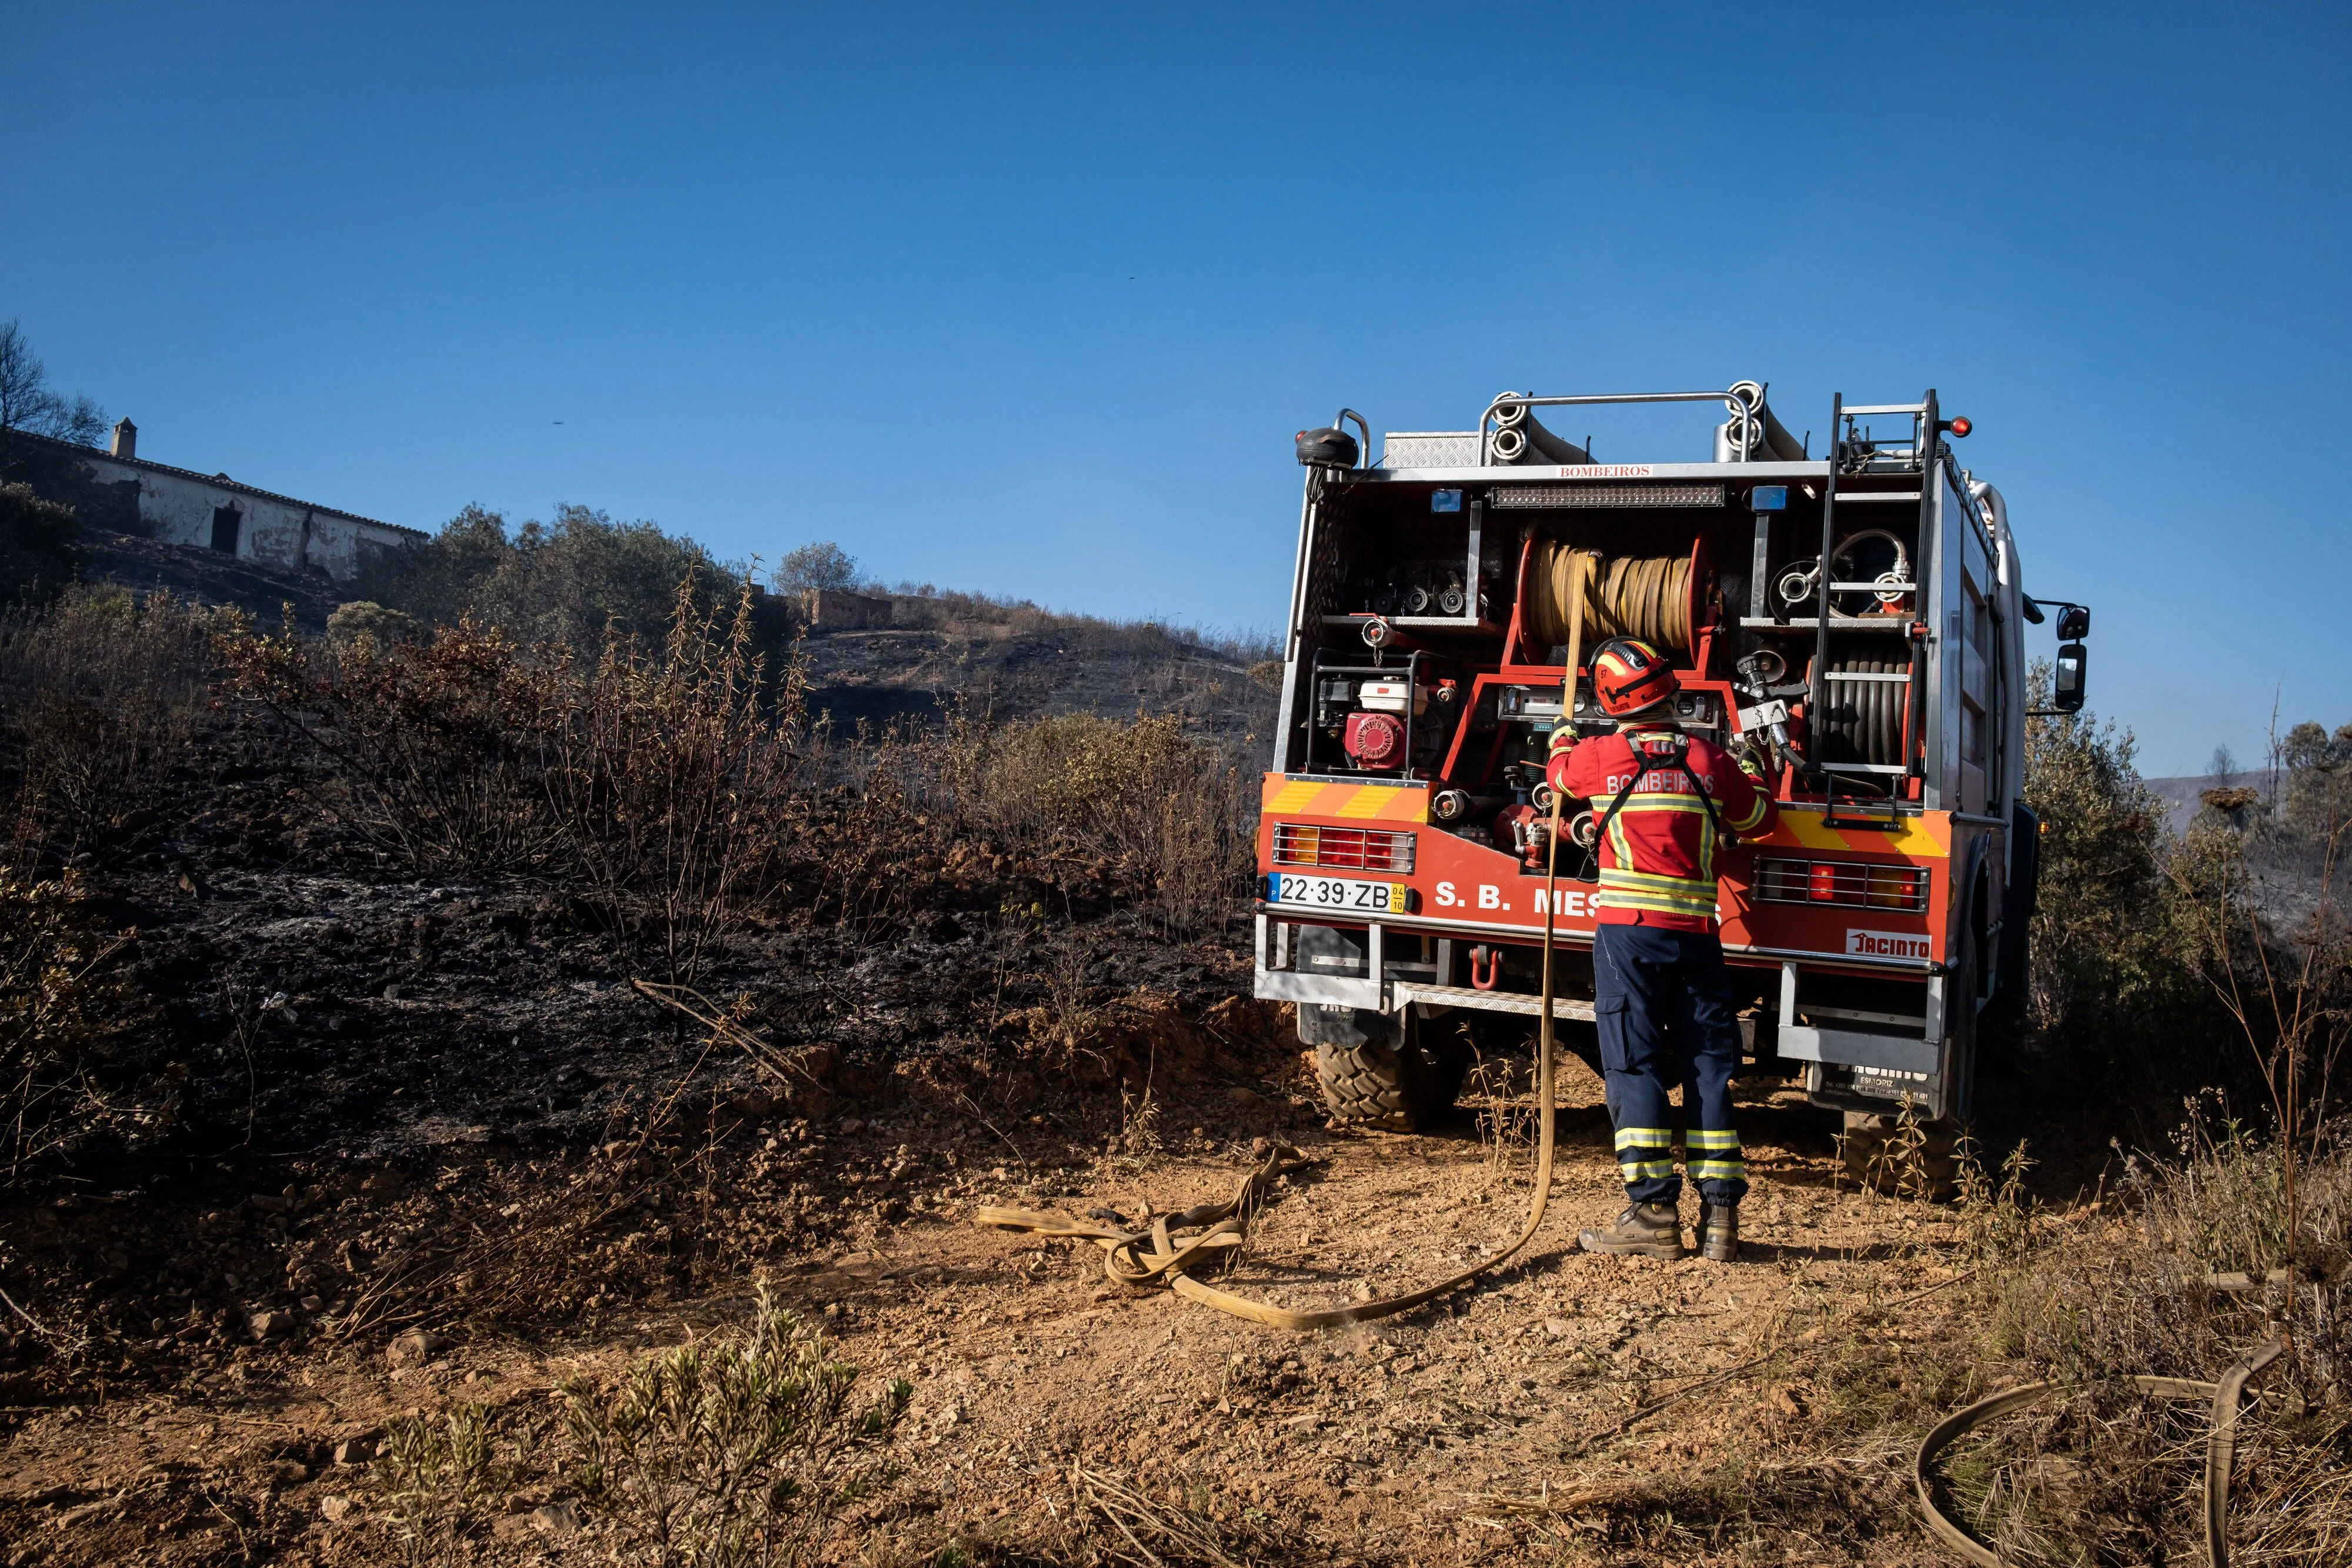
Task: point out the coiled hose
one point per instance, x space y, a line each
1862 721
1646 597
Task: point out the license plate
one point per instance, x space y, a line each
1340 893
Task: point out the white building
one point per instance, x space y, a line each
118 489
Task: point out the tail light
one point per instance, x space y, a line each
1343 849
1851 885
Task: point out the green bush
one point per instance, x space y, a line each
560 582
2116 993
742 1450
735 1453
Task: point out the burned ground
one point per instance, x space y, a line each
370 1150
462 1163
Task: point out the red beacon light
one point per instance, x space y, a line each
1959 428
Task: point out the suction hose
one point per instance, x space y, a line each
1519 437
1768 439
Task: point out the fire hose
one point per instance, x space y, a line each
2220 1449
1140 1258
1646 597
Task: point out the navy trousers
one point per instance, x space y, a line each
1659 995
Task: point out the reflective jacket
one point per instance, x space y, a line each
1657 858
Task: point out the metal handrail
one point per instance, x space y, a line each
1740 409
1338 421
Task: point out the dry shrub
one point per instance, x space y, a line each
1170 811
364 620
743 1450
2103 1473
438 751
65 1015
1120 1520
104 693
655 785
674 783
37 539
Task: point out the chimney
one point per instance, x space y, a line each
126 439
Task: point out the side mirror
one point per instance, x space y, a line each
2074 623
2066 680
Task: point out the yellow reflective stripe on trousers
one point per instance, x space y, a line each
1645 1137
1719 1170
1646 1169
1705 1138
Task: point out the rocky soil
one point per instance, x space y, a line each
1568 1403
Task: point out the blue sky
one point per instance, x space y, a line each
1030 299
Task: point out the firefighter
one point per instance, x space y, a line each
1663 801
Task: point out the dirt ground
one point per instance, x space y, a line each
1549 1412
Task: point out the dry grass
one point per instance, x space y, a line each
2105 1473
104 693
742 1450
1173 816
658 786
1162 819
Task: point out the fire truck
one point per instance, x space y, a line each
1858 619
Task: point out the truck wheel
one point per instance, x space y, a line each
1404 1087
1921 1160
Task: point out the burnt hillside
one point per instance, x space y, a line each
1009 661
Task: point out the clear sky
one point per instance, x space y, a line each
1030 299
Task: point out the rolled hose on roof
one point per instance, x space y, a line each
1646 597
1519 437
1768 439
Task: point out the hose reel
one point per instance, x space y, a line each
1863 706
1646 597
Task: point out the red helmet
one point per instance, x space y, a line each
1629 676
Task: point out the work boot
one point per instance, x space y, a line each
1643 1230
1718 1232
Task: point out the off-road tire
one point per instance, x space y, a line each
1876 1156
1403 1088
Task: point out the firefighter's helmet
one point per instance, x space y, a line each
1629 677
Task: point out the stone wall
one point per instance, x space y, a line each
837 610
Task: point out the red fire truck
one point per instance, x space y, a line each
1859 616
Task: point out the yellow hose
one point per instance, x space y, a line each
1624 596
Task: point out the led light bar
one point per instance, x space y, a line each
1612 495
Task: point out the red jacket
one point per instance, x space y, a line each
1657 861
